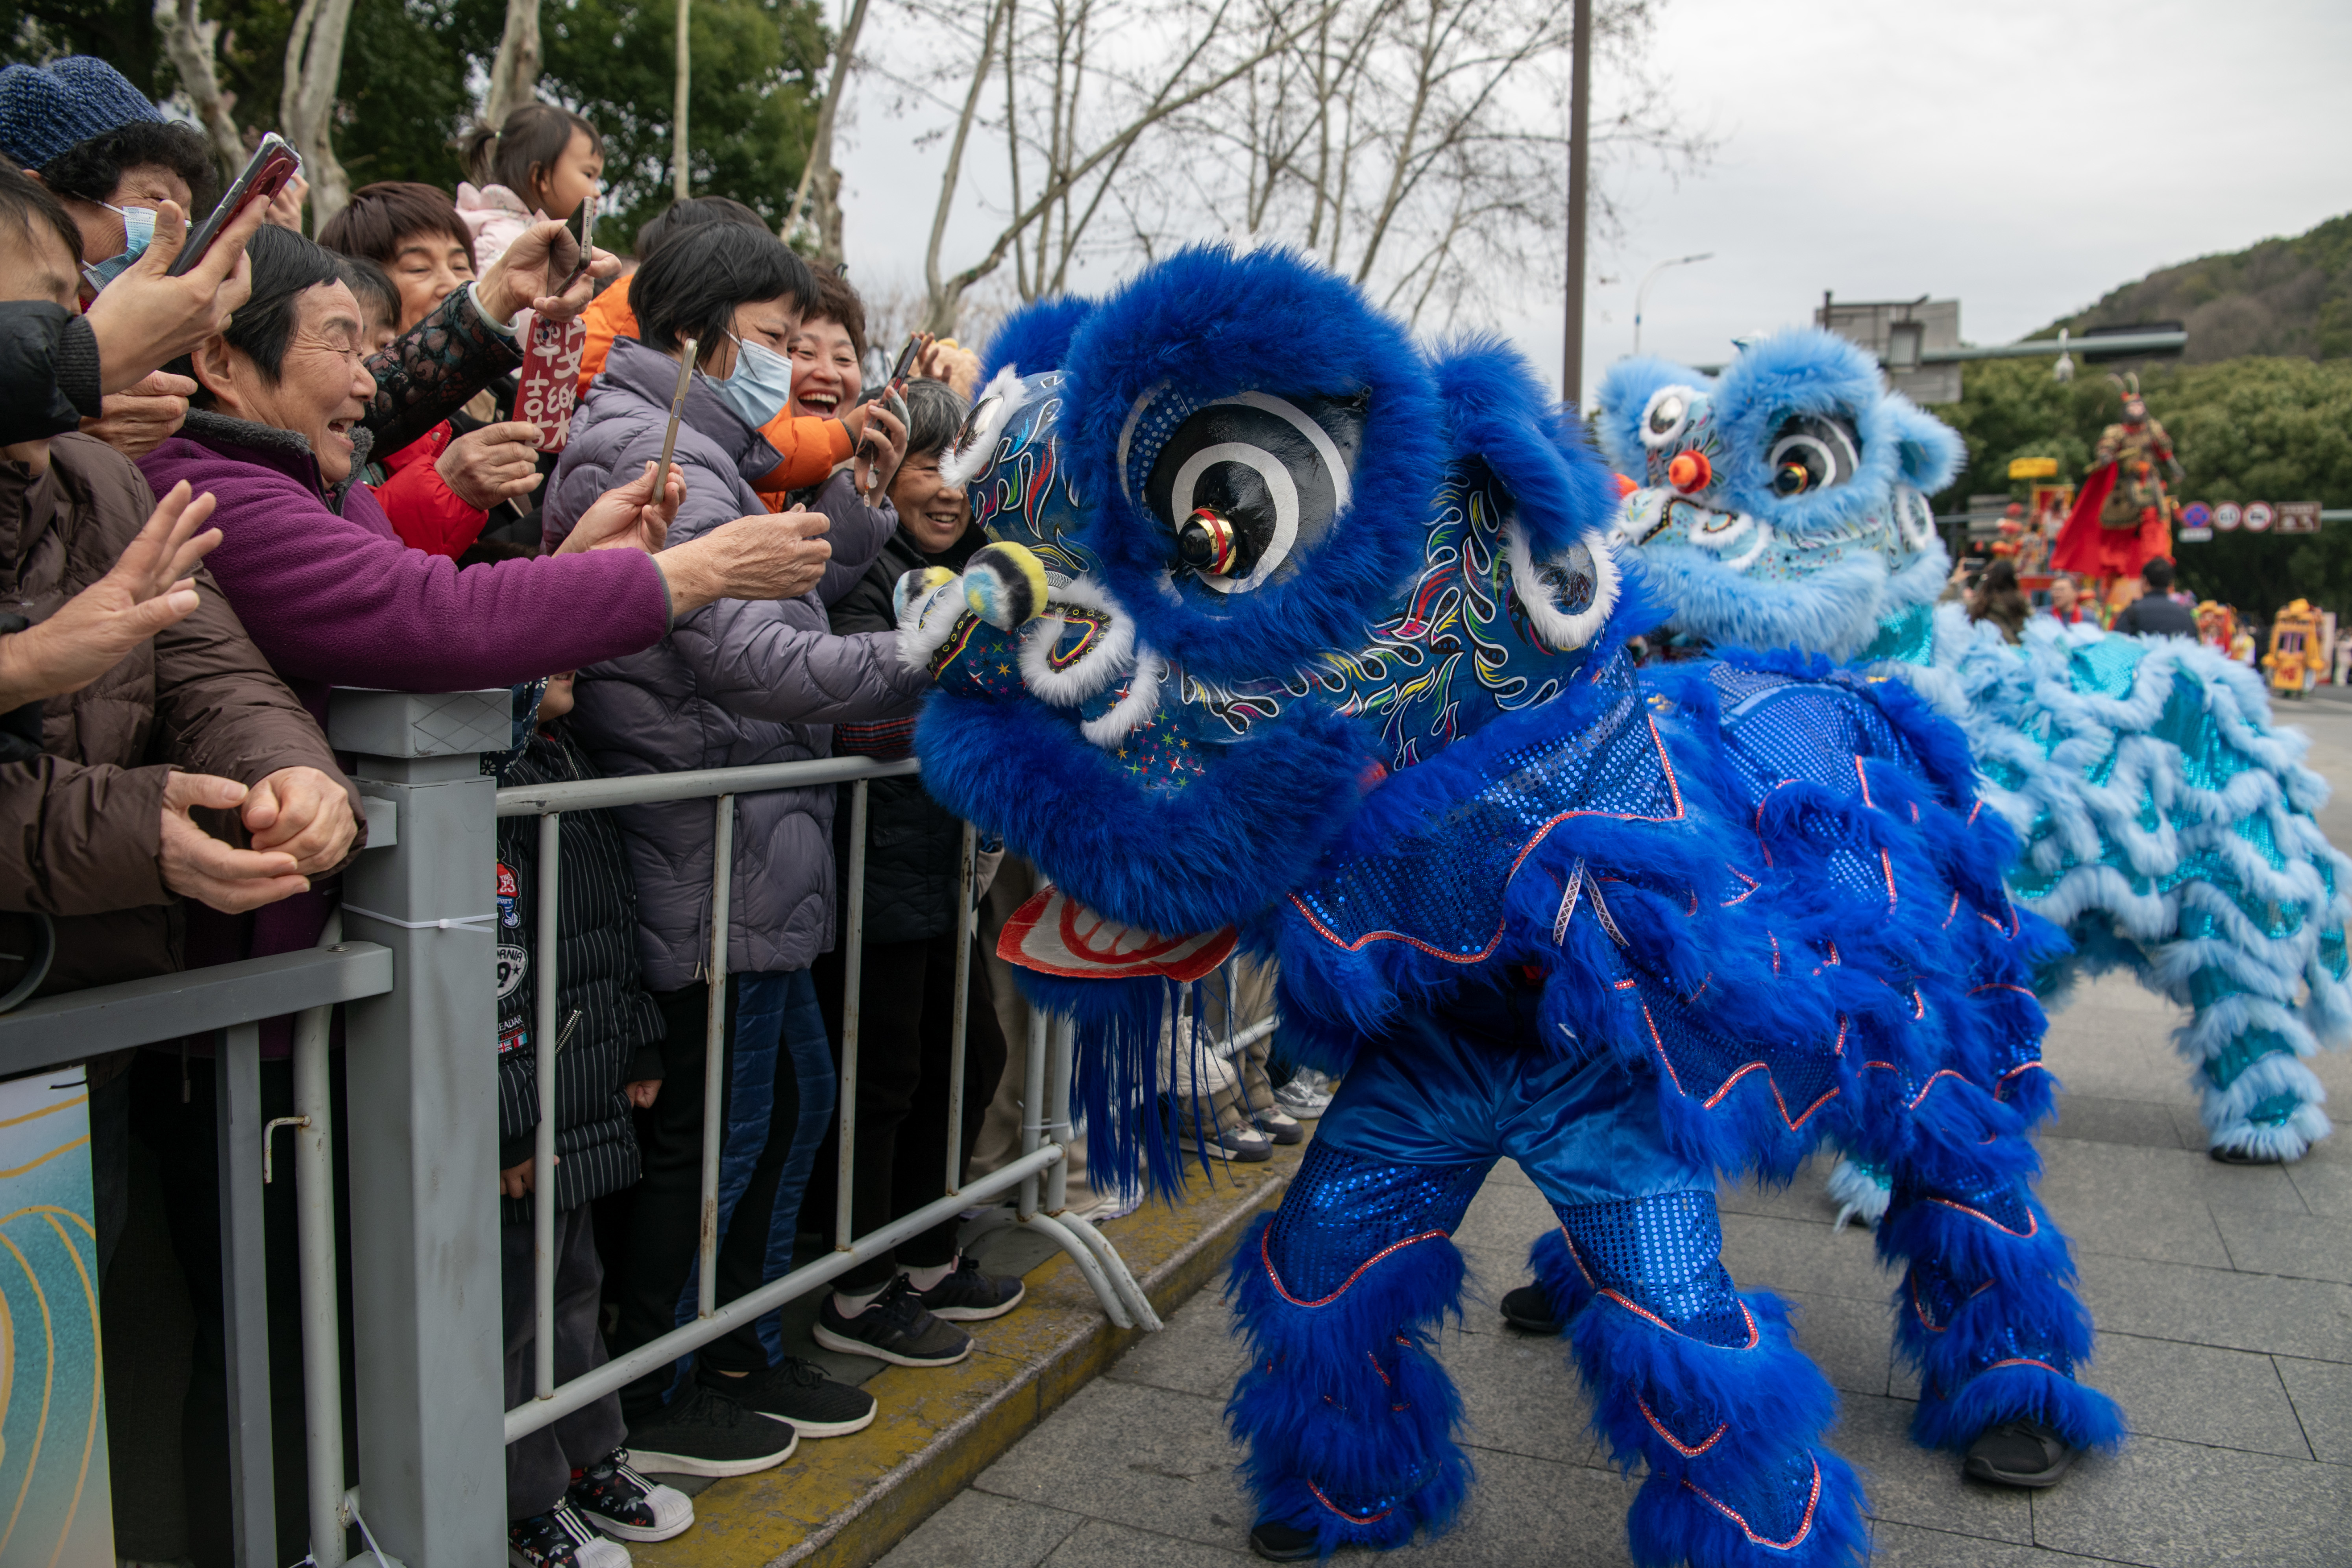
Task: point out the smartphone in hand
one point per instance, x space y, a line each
271 168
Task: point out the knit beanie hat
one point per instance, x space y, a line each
44 110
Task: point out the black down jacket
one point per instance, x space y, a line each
616 1037
911 840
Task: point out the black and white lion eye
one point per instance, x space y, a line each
1811 452
975 442
1667 413
1566 596
1246 483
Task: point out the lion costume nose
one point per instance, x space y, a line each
1690 472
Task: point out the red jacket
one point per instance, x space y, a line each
425 512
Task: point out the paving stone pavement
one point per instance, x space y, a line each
2223 1300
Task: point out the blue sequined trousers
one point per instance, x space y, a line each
1351 1418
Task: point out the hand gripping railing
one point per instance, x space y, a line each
1043 1136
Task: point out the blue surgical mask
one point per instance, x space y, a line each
761 386
137 230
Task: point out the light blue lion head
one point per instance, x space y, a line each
1782 504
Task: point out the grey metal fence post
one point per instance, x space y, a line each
237 1088
422 1072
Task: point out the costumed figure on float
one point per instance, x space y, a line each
2122 518
2162 820
1298 640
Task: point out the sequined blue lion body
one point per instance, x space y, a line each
1299 638
2162 820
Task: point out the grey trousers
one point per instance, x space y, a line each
540 1467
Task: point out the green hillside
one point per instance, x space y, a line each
2289 298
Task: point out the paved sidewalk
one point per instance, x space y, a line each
2223 1299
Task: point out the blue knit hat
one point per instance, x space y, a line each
44 110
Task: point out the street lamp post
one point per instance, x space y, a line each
1642 294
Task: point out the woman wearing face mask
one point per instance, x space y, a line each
102 150
738 682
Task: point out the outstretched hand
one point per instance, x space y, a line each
542 257
144 319
624 519
148 590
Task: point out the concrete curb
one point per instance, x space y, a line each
844 1502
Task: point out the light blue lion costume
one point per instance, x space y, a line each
2162 822
1299 638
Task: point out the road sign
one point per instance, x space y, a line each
2226 516
2298 517
2259 517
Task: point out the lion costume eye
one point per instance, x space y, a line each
975 443
1667 413
1246 482
1811 452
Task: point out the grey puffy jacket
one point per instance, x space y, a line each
735 683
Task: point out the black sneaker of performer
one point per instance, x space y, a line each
968 1296
1529 1309
2020 1453
798 1392
1279 1542
892 1328
701 1432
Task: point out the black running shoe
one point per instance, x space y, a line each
2245 1157
798 1392
2019 1453
892 1328
1279 1542
617 1500
1529 1308
968 1296
704 1434
559 1538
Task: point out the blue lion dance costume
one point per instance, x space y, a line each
1296 638
2162 823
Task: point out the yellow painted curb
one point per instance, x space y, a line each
844 1501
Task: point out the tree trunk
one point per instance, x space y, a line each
681 179
187 40
314 64
514 75
819 178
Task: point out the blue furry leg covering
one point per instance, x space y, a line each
2260 1099
1348 1417
1988 1314
1703 1384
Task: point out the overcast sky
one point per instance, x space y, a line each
2024 156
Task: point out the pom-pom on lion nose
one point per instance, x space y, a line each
912 587
1004 584
1690 472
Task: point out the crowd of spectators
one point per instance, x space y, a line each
360 486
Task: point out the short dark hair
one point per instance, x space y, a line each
837 301
90 171
2157 574
25 202
534 137
691 284
693 213
383 214
285 267
378 295
934 414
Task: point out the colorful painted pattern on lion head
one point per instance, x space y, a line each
1782 504
1282 552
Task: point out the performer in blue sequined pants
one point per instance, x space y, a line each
1350 1416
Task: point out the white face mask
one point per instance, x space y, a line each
760 384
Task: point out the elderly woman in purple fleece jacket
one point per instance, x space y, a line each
738 682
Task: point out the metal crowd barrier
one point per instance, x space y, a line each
416 982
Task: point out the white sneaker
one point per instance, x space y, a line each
619 1502
1306 1095
559 1538
1246 1146
1281 1127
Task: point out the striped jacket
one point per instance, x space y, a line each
609 1030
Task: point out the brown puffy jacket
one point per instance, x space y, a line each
80 829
